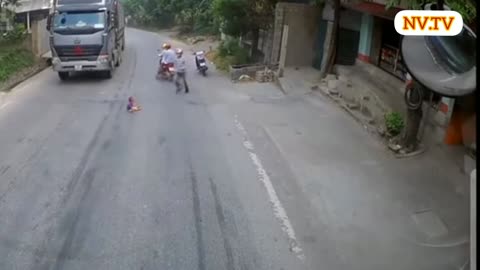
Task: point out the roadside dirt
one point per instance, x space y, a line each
196 42
21 76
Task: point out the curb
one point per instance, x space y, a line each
279 84
371 129
357 118
418 152
9 86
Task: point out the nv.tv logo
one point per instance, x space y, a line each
428 23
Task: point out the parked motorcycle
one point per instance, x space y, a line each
165 71
201 62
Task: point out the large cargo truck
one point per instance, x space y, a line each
86 36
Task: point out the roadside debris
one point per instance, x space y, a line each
245 78
132 105
266 75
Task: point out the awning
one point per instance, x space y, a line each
31 5
374 9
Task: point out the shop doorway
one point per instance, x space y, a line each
390 56
347 47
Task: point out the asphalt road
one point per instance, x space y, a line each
86 185
229 176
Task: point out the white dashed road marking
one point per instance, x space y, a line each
5 105
263 177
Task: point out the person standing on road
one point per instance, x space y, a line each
181 70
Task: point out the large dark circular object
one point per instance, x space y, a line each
443 64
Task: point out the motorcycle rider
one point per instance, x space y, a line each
181 70
167 57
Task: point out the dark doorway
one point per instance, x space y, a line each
347 47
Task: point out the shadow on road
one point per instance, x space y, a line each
85 77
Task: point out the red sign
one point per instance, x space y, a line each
78 50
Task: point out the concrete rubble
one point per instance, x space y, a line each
266 75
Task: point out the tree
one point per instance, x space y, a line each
233 16
331 55
262 14
240 17
7 3
192 14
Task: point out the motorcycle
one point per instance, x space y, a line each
165 71
201 62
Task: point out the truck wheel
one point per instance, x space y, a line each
108 74
63 75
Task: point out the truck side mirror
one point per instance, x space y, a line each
49 22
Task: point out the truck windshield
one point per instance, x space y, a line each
79 22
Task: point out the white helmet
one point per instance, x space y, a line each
179 51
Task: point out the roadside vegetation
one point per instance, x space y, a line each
14 55
230 52
238 20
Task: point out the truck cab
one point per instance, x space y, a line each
86 36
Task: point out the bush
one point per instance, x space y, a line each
17 34
14 60
228 47
241 56
232 50
394 123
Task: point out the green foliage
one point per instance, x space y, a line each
233 16
239 17
228 47
190 15
229 52
467 8
6 3
394 123
232 49
12 60
17 34
222 63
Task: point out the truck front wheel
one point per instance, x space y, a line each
108 74
63 75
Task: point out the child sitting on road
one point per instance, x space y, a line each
132 105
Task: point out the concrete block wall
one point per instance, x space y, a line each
266 45
40 37
302 21
303 28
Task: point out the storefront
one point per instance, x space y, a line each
379 43
390 56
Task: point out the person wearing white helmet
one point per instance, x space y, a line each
167 57
181 70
